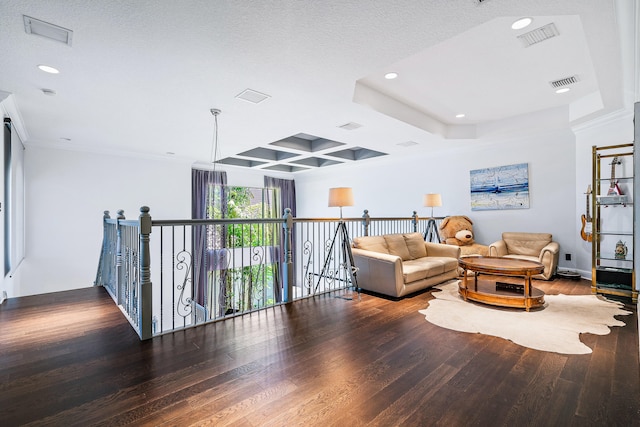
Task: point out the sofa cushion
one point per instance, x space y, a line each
422 268
523 257
371 243
397 246
413 270
448 263
415 245
529 244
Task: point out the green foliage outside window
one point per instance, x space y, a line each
250 286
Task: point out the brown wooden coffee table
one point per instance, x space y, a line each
498 293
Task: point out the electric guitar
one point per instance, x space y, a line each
585 232
614 189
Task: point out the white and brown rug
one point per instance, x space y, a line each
555 328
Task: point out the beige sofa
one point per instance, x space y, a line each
531 246
399 264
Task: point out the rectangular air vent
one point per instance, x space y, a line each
539 35
350 126
252 96
564 82
47 30
407 143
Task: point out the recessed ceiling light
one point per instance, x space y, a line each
563 90
391 76
459 116
48 69
521 23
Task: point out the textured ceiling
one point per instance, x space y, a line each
141 77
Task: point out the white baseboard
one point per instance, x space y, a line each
3 296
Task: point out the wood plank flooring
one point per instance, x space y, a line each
71 358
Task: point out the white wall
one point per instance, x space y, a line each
66 194
389 187
613 130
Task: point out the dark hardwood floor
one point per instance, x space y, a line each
71 358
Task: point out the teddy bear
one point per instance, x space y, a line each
458 230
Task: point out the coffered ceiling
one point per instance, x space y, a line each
141 78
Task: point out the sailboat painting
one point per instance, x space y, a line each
502 187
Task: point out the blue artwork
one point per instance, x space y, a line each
503 187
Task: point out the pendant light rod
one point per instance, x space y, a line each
215 112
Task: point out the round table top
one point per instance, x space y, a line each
500 265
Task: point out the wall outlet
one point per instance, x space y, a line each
567 257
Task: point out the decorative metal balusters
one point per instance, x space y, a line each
184 305
244 264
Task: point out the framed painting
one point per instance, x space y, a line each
502 187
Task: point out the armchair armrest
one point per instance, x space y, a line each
438 249
498 248
552 248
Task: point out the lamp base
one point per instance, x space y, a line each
431 232
346 261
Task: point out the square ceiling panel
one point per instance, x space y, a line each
240 162
268 154
316 162
286 168
356 153
305 142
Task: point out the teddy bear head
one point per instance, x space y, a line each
457 230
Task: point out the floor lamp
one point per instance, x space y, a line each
432 200
339 197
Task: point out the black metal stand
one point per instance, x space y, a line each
346 261
431 231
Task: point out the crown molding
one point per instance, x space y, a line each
11 110
605 120
107 151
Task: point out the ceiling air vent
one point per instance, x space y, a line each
539 35
407 143
252 96
564 82
47 30
350 126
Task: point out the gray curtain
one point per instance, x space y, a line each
205 259
287 191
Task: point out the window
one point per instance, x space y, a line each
236 264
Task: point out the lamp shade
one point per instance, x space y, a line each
340 196
432 200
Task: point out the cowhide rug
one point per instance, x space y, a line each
555 328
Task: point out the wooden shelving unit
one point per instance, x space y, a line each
613 272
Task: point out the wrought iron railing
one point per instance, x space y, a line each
168 275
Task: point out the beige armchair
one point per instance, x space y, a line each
530 246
